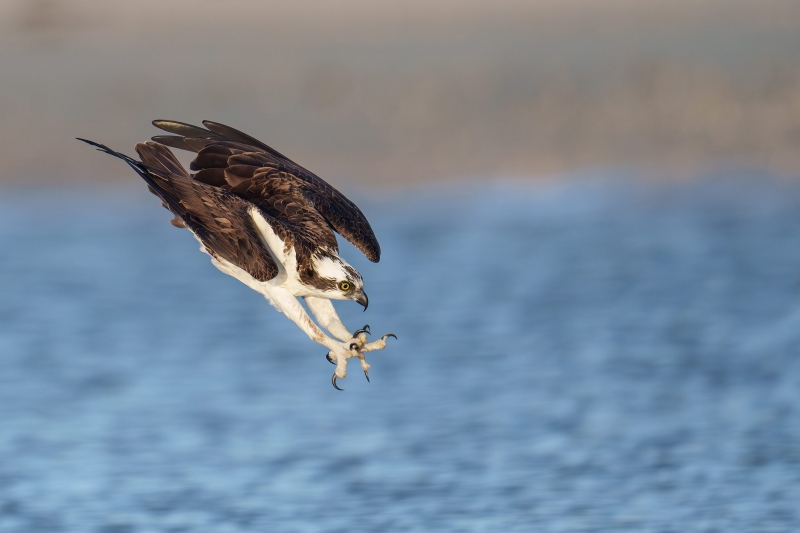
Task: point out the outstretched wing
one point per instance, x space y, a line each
221 220
229 159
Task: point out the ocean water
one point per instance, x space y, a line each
591 355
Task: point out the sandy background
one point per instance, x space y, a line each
388 93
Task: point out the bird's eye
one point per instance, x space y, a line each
344 286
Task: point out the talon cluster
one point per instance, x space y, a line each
356 349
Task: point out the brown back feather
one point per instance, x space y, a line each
221 220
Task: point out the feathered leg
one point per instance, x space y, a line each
324 312
285 302
288 304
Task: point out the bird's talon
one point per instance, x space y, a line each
333 381
329 358
389 335
354 346
366 373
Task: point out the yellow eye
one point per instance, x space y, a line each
344 286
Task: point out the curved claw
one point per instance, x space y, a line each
358 332
366 373
353 346
389 335
333 381
328 357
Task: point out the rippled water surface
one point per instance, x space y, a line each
576 357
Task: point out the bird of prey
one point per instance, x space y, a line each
266 221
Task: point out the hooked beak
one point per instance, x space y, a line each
363 300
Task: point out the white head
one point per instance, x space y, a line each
337 280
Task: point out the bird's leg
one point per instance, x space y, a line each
324 312
339 352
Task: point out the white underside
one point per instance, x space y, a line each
282 292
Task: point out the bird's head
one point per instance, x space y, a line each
337 280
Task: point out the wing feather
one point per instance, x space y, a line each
174 141
211 157
236 135
185 130
242 150
213 176
221 220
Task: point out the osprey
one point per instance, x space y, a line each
268 222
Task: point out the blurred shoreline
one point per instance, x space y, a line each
390 95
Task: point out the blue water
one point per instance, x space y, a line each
572 357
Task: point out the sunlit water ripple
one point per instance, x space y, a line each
571 357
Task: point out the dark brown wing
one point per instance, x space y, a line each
280 195
226 157
221 220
